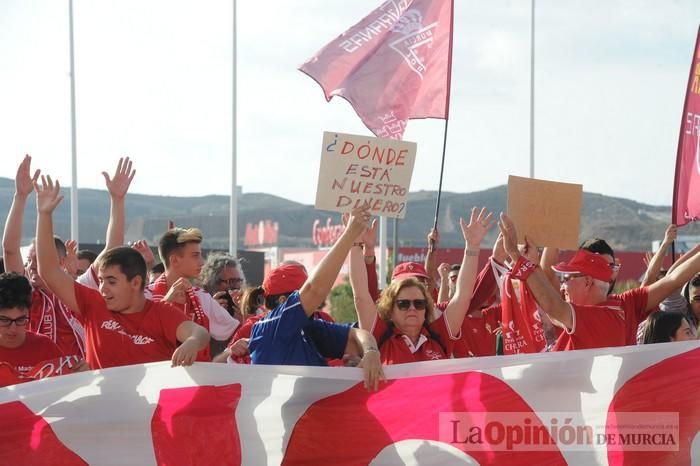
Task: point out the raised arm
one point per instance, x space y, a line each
548 298
444 272
12 236
550 256
430 263
369 241
654 266
47 199
673 280
364 303
691 252
473 234
117 186
320 282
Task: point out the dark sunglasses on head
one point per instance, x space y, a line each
405 304
19 321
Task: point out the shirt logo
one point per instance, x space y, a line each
114 326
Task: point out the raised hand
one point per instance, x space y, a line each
119 184
510 237
358 221
477 228
433 238
142 247
670 234
70 263
444 270
369 237
47 195
24 182
499 252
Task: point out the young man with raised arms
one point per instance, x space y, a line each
122 327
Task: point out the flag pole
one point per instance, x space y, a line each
532 90
233 205
442 170
447 118
74 233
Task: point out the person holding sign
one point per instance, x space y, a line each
589 317
402 320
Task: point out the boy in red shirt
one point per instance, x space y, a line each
122 327
27 355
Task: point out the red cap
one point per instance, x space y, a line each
587 263
407 270
284 279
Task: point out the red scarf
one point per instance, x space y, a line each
44 322
192 308
522 327
52 367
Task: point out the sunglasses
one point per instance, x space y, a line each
566 277
405 304
232 282
19 321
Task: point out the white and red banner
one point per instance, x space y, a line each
686 190
392 66
619 406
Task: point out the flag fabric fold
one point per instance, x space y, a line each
392 66
686 189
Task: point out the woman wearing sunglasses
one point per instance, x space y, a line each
404 321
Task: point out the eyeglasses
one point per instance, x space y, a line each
19 321
231 282
566 277
405 304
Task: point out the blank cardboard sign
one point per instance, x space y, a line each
546 211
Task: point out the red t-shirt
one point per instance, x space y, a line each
116 339
50 317
599 326
35 349
634 303
396 349
478 334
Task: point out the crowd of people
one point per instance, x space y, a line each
64 310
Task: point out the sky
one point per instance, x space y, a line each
154 82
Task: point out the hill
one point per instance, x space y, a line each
626 224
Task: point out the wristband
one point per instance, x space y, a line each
370 350
523 268
471 252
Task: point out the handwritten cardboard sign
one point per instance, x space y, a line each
548 212
358 169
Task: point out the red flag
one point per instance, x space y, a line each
686 189
392 66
